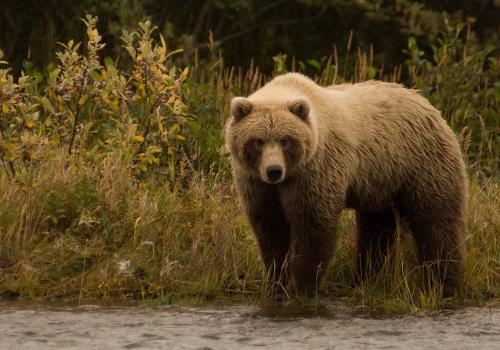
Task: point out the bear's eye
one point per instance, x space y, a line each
258 142
284 142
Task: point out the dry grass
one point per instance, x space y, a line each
79 232
74 231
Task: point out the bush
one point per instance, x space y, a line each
94 109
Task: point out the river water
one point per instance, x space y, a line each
241 327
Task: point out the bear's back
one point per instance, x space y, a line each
398 137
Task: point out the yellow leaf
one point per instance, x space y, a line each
5 108
139 138
174 52
93 34
185 73
154 149
29 122
180 138
163 43
82 100
9 146
105 97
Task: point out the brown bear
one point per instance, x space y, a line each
301 153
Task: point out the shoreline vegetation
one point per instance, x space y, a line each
114 183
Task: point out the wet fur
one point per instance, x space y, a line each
377 147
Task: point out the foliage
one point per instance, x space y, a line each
243 30
114 182
92 109
462 82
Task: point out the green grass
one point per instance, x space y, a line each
73 231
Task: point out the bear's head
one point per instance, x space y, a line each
270 139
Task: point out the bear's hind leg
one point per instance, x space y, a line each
440 246
376 234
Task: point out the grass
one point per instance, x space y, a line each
79 232
114 185
104 234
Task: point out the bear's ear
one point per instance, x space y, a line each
299 107
240 107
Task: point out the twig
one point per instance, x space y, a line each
81 281
5 167
77 114
9 165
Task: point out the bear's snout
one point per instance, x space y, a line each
272 165
274 173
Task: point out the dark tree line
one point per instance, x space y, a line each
243 29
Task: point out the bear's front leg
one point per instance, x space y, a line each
313 221
312 248
264 211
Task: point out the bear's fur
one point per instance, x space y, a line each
301 153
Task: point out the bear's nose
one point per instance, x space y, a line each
274 173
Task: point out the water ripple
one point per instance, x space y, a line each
240 327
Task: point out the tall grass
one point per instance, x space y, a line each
101 233
75 230
114 183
